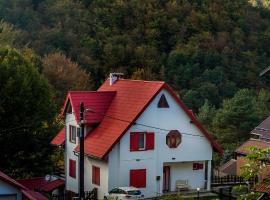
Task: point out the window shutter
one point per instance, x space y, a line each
138 178
150 141
134 141
95 175
72 168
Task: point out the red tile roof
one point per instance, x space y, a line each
229 167
98 101
59 139
262 187
131 99
244 148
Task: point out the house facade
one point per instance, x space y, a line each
138 133
260 138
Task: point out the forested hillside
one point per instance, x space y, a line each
210 51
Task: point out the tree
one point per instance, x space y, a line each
65 75
8 34
27 110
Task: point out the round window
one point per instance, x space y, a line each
173 138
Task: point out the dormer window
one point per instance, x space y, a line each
162 103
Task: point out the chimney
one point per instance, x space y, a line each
114 77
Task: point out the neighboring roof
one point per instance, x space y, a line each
31 195
59 139
244 148
229 167
131 99
11 181
263 129
53 185
40 184
262 187
96 100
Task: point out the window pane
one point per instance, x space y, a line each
141 141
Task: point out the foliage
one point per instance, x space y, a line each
256 162
65 75
8 34
26 124
249 196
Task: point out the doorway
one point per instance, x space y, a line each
166 178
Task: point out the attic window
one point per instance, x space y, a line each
69 108
173 139
162 103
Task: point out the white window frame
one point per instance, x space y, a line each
144 141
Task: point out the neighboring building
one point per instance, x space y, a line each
13 190
260 138
49 185
138 133
229 168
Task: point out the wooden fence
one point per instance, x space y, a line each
231 180
89 195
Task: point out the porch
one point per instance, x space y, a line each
186 176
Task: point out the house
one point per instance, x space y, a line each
138 133
227 169
260 138
11 189
49 185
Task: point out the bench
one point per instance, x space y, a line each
181 185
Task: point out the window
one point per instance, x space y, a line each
72 133
95 175
141 141
173 139
197 166
138 178
162 103
72 168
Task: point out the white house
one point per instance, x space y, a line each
138 133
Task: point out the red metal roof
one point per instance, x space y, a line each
11 181
31 195
131 99
52 185
59 139
96 100
40 184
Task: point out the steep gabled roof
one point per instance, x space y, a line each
263 129
96 100
244 148
59 139
131 99
11 181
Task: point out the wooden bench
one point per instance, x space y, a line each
181 185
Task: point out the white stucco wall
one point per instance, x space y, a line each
192 148
103 187
71 183
6 189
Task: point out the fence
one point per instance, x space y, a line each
231 180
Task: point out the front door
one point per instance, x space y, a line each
166 178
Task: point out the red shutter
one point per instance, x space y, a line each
134 141
150 141
95 175
137 178
72 168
